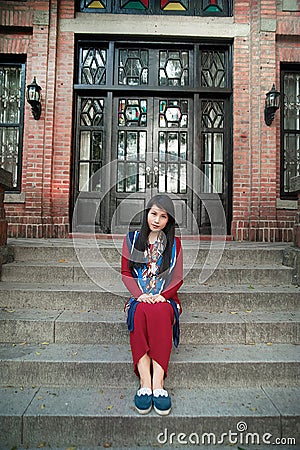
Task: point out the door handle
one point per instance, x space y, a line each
155 172
148 177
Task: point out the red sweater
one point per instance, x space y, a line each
171 290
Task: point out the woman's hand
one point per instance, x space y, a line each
158 299
145 298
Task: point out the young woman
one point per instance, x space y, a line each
152 271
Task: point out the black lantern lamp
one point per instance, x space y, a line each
34 98
271 105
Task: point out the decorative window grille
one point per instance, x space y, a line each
290 142
12 78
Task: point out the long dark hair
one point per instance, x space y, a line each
164 202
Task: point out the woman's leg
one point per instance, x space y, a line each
144 368
158 376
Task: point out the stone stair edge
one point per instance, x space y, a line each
185 289
260 409
185 352
64 326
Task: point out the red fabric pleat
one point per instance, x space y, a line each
152 333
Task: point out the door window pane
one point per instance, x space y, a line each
92 110
172 178
132 112
84 177
131 177
173 113
85 145
218 178
183 179
218 147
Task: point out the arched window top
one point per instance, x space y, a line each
162 7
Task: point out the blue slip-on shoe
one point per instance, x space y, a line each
162 402
143 400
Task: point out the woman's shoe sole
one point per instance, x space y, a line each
162 412
143 411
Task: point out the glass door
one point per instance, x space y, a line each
151 142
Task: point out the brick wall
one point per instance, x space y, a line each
32 29
256 168
47 142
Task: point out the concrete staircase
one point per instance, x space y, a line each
65 361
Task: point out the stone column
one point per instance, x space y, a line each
5 183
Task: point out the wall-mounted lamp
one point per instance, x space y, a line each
271 105
33 96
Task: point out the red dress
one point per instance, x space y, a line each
153 323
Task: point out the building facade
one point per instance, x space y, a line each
148 96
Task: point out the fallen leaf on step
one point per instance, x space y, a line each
41 445
107 445
42 407
38 353
253 409
40 397
109 407
22 343
11 310
269 343
61 260
45 343
233 312
249 311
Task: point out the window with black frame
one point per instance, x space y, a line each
165 7
290 128
12 82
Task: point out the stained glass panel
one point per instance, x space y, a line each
173 68
184 7
94 4
213 5
135 4
213 69
173 113
93 66
132 112
213 114
91 112
133 66
170 5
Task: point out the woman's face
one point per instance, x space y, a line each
157 218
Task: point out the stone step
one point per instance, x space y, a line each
78 297
192 366
110 251
109 327
107 276
68 417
